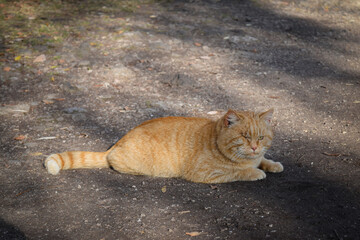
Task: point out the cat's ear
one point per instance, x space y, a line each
267 116
230 118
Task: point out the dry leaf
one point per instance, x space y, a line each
193 234
357 101
6 69
163 189
52 79
198 44
19 138
17 58
46 101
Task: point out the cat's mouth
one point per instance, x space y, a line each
253 154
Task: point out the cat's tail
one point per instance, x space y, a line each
75 159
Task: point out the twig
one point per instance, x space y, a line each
21 193
300 158
337 235
332 154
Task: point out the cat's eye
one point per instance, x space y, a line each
261 137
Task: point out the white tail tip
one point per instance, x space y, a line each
52 166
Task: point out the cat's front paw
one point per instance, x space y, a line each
271 166
276 167
257 174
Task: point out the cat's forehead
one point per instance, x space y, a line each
250 121
248 124
249 117
247 114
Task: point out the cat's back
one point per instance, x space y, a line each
167 130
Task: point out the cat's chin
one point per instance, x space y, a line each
252 155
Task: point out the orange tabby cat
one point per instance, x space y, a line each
196 149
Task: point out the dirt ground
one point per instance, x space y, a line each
123 66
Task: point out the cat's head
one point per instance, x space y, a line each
244 135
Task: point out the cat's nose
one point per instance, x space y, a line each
254 148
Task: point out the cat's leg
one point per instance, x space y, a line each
126 160
271 166
121 162
233 175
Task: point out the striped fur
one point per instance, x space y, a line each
197 149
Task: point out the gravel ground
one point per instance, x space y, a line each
186 58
